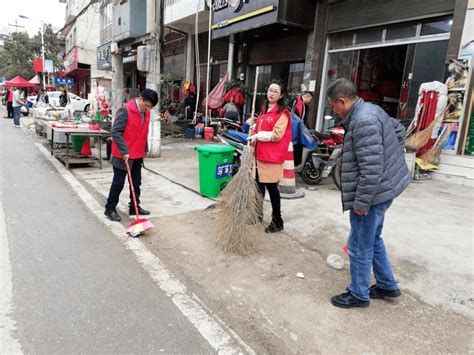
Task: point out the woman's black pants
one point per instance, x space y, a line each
274 196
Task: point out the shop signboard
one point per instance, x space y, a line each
64 81
70 61
48 66
233 5
104 57
233 16
129 59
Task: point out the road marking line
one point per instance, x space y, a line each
8 344
211 327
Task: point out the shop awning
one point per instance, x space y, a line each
20 82
35 80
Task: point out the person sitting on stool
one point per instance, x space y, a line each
129 138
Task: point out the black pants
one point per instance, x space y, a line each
274 196
118 182
10 109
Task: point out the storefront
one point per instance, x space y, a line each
80 72
387 63
174 67
133 79
269 34
103 75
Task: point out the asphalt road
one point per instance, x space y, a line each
75 288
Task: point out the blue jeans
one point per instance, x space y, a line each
366 250
16 115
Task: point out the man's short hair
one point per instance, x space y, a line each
150 95
308 93
342 88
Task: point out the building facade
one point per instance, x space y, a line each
82 38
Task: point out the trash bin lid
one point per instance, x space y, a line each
215 148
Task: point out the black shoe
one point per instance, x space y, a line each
275 226
346 300
141 211
377 292
113 215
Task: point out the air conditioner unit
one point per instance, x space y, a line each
143 58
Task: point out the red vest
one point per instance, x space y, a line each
10 96
135 134
275 151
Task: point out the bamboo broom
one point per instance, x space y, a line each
238 224
432 156
419 139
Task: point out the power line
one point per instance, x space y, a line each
92 2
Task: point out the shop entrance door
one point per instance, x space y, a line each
424 63
376 72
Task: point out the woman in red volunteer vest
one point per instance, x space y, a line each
129 137
272 135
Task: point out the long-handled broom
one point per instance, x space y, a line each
432 156
238 224
139 225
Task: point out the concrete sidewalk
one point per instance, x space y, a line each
428 233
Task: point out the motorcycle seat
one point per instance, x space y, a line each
321 136
237 136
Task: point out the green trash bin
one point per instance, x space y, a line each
215 168
77 142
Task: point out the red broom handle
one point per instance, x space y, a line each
133 190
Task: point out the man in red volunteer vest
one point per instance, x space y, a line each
129 138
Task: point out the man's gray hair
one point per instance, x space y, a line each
342 88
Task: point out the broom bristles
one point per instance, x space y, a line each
238 225
432 156
419 139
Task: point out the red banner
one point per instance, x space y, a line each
38 65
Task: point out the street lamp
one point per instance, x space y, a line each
42 47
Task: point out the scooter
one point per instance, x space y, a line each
334 140
230 133
312 155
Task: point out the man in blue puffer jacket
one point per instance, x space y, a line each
373 173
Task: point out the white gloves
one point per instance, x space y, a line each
262 136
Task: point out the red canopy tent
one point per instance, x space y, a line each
35 80
19 82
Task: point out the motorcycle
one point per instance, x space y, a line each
315 163
231 133
316 155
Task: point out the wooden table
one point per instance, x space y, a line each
69 132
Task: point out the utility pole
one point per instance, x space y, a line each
208 79
117 80
42 55
16 25
155 18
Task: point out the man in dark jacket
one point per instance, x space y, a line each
373 173
129 138
300 105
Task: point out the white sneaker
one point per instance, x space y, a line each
17 126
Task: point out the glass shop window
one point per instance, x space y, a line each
341 40
295 79
369 35
436 25
401 31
